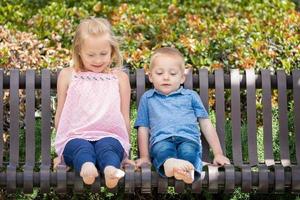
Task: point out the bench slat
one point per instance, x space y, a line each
46 118
46 132
30 131
267 117
30 118
296 94
13 132
283 118
188 83
236 117
220 107
140 84
14 118
203 92
251 117
1 118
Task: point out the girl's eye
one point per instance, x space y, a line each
159 73
90 55
103 54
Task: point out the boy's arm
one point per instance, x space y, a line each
212 138
143 143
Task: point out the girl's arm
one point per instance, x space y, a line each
125 92
63 81
143 142
212 138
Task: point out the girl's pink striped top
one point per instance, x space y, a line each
92 111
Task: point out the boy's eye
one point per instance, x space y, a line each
104 53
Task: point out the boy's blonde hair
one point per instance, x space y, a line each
168 51
94 27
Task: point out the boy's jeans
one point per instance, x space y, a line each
103 152
176 147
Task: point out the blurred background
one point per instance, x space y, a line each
210 33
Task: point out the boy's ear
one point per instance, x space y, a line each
183 78
150 77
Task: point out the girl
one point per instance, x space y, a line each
92 117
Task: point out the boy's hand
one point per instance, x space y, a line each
220 159
127 161
141 161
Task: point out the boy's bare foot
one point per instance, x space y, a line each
184 170
186 176
169 166
112 176
88 173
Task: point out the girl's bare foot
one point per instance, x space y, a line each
112 176
88 173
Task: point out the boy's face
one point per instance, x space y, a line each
166 74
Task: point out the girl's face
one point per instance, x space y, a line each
96 53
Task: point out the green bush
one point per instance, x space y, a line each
214 34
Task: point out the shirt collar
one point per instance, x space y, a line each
180 90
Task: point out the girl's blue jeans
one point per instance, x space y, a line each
103 152
176 147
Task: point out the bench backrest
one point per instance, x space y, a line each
242 103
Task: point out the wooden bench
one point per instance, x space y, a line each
235 95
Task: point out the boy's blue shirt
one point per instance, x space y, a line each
170 115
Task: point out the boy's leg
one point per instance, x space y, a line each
110 153
80 154
164 156
189 151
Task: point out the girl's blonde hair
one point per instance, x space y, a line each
94 27
167 51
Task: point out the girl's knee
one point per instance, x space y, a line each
77 146
108 144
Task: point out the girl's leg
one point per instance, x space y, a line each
109 155
80 154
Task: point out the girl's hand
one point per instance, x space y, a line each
141 161
127 161
59 161
56 162
220 159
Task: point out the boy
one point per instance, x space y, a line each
172 115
